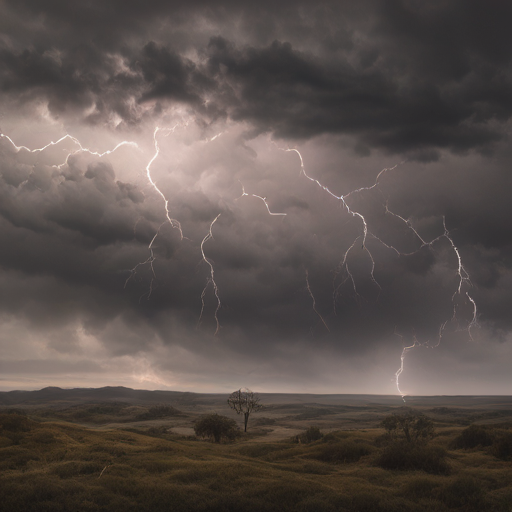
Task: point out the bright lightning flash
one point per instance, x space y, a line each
80 149
168 219
211 279
402 359
264 199
461 273
460 293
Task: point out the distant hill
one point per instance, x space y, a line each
65 397
83 395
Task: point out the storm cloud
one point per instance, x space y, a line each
388 227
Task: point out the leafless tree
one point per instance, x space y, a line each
244 401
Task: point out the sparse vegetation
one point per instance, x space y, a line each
14 422
216 428
473 436
502 446
157 412
310 435
407 447
244 401
47 466
410 425
342 452
464 492
404 456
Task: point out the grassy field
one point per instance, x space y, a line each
142 464
58 466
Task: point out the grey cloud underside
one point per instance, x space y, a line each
396 76
356 86
73 233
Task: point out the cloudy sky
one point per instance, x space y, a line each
279 195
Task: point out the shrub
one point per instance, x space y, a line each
14 426
410 425
403 455
159 411
14 422
330 438
344 452
157 431
216 427
472 437
310 435
465 492
502 446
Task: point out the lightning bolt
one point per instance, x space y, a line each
461 273
463 277
264 199
168 219
460 293
173 222
80 149
314 301
402 360
210 280
344 267
149 261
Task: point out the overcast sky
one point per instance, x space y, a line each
305 189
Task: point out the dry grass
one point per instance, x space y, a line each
63 467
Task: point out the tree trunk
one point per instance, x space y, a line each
246 419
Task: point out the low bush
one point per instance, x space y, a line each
502 446
330 438
464 491
217 428
157 431
157 412
15 422
310 435
473 436
402 455
341 453
16 457
14 426
410 425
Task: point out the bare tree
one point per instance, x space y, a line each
244 401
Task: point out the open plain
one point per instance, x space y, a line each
115 449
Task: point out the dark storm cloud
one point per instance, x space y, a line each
347 83
82 78
423 77
71 234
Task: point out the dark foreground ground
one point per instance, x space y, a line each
115 449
